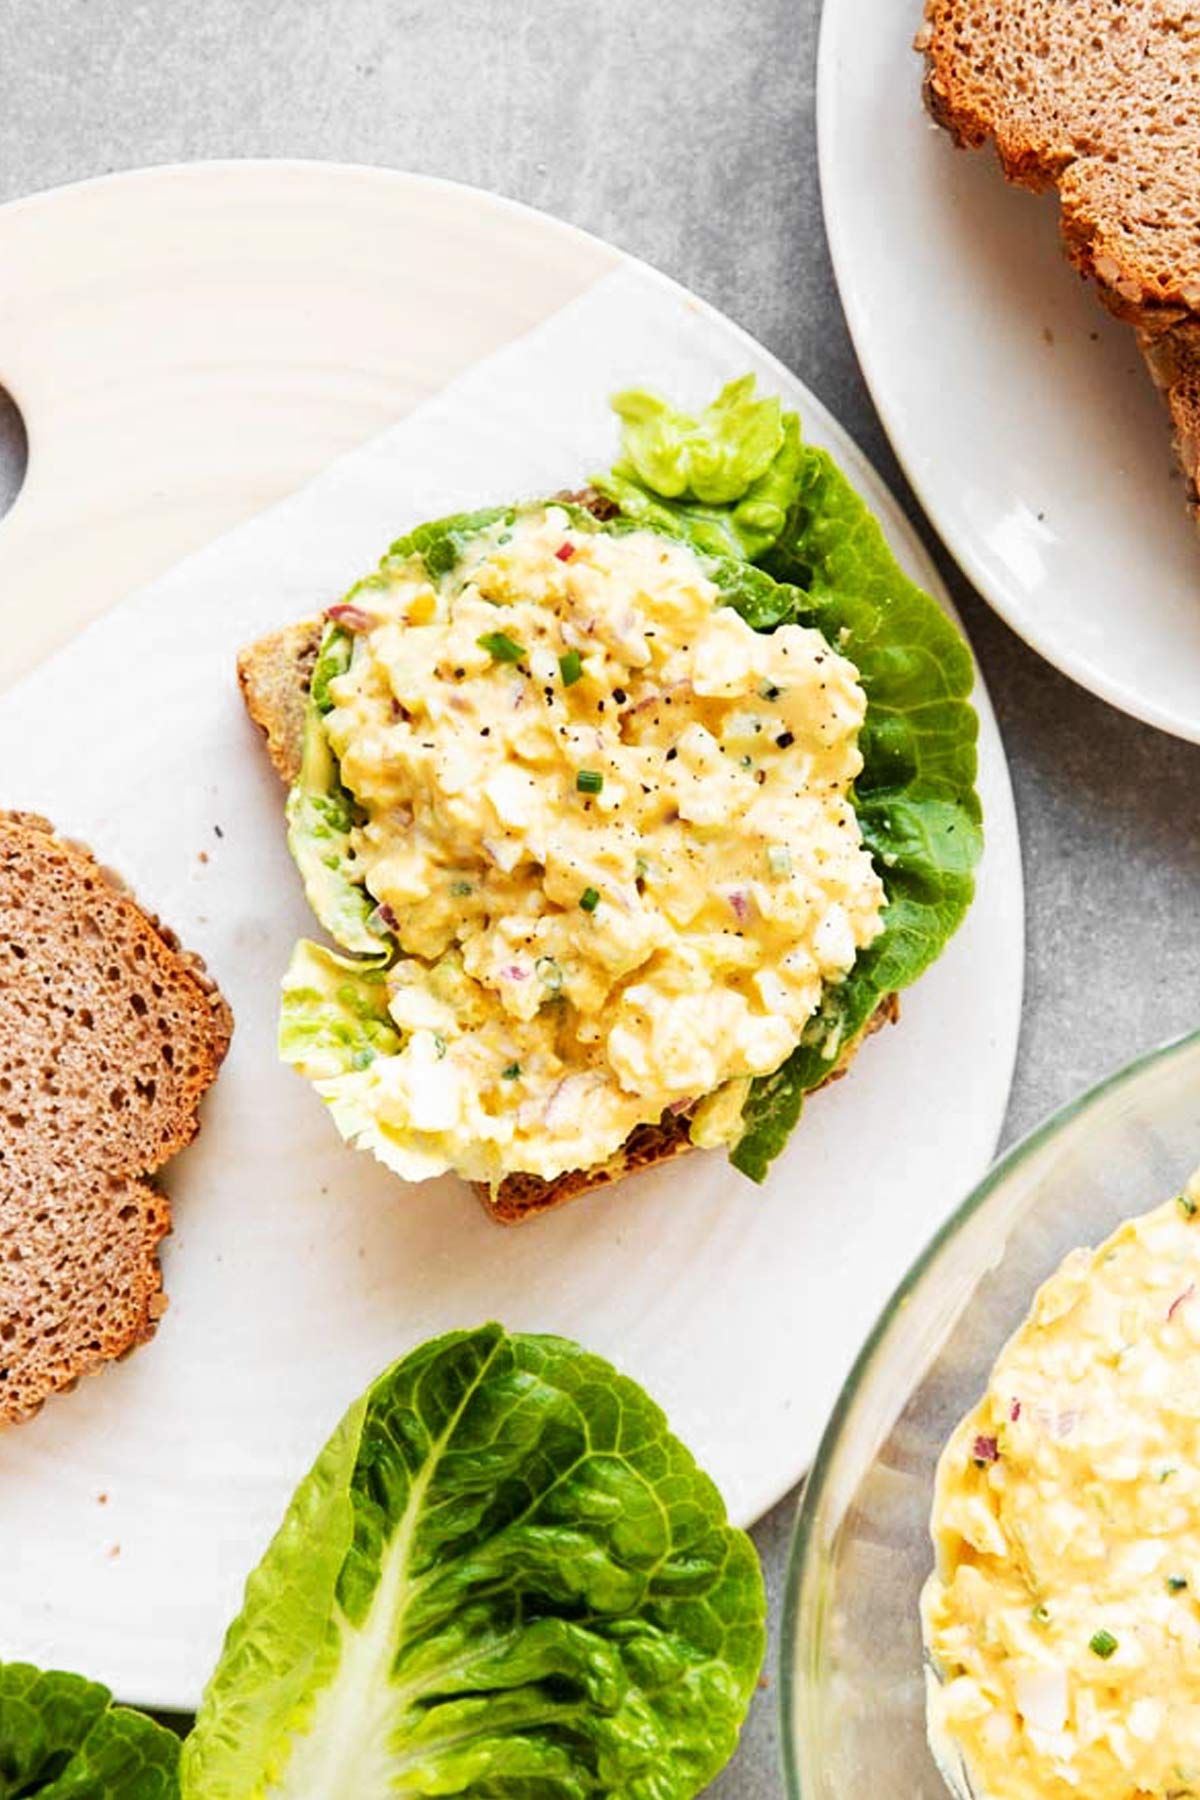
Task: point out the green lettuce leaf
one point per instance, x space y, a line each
439 544
748 522
714 458
61 1738
916 800
321 814
503 1577
334 1016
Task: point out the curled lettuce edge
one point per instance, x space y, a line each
502 1574
63 1738
799 545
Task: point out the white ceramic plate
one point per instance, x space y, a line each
1022 413
187 345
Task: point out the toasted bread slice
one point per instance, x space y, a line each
109 1036
1100 100
274 676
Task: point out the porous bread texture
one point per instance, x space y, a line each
274 676
109 1037
1100 99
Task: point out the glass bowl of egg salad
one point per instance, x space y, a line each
994 1587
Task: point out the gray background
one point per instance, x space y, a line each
683 131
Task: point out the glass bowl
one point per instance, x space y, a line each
853 1688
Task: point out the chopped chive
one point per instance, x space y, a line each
589 900
570 667
439 1045
1041 1614
461 888
511 1073
589 781
1102 1644
499 645
1176 1583
768 691
1186 1205
779 859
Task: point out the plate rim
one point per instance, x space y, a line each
959 543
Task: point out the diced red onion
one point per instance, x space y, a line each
985 1450
1179 1299
351 618
1014 1411
565 552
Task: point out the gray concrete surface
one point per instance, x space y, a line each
684 131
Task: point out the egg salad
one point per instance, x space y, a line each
1063 1619
609 827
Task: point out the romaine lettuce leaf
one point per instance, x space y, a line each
916 800
714 458
320 816
61 1738
441 543
503 1577
744 525
334 1016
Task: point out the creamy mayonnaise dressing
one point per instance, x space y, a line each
610 827
1063 1620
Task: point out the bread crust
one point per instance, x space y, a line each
1101 101
110 1034
274 676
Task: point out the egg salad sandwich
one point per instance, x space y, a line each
628 812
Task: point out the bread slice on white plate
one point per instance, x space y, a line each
110 1035
1099 99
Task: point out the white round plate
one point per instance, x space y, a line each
187 345
1022 413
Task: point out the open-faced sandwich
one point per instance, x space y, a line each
629 812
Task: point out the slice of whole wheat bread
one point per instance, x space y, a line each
274 676
1100 99
109 1036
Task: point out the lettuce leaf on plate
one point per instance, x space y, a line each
334 1016
321 815
915 798
61 1738
503 1576
724 481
